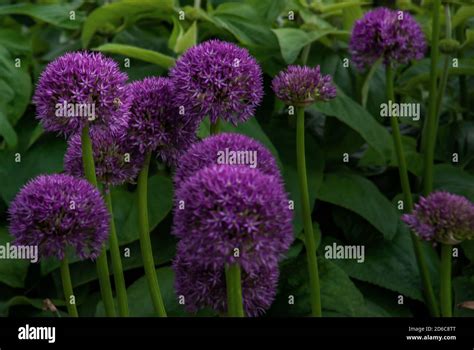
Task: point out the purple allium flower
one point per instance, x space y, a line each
206 286
60 211
301 86
443 217
225 148
155 122
223 208
393 35
82 88
218 79
116 162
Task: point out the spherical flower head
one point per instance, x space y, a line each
302 86
443 217
116 162
59 211
81 88
225 148
218 79
156 124
391 35
204 287
233 214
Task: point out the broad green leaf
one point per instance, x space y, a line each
22 300
361 196
351 113
463 291
454 180
339 295
55 14
269 9
14 41
293 40
187 40
7 131
12 272
138 53
381 302
114 16
463 14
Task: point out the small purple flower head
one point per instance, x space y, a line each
116 162
226 207
218 79
59 211
443 217
206 286
225 148
383 33
155 122
301 86
82 88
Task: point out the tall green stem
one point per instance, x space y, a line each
234 291
308 223
102 265
119 279
145 242
428 141
445 292
214 129
67 288
408 199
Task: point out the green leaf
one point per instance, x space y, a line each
160 194
361 196
55 14
352 114
269 9
7 131
14 41
293 40
138 53
463 14
45 158
12 272
454 180
463 291
187 40
114 16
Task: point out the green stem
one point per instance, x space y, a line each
145 242
428 142
214 129
308 224
408 199
234 291
67 288
119 279
445 295
102 265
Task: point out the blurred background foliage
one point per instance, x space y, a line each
354 202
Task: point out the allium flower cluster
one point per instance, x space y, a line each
391 35
302 86
218 79
443 217
82 88
116 162
55 212
156 124
225 148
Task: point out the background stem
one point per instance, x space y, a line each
67 287
214 129
145 242
408 199
445 292
234 291
102 265
119 279
308 223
